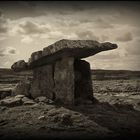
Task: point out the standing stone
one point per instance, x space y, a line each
64 80
83 82
43 84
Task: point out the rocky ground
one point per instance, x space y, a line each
23 118
116 115
46 120
118 92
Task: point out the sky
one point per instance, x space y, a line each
28 26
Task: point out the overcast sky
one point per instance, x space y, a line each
26 27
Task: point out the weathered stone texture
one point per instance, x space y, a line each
83 83
89 47
43 84
19 66
70 48
11 102
36 55
64 80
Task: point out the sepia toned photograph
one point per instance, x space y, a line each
69 70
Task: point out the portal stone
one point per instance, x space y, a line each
43 83
83 83
64 80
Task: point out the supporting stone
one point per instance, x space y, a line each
64 80
83 83
43 83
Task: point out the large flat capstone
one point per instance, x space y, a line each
63 48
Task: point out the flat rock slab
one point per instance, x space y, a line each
64 48
11 102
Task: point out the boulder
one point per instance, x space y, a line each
44 100
19 66
41 99
27 101
11 102
5 93
19 96
41 117
66 119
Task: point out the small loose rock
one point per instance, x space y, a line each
41 117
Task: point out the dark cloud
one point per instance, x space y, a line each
125 37
7 51
0 13
2 54
29 27
3 24
12 51
19 9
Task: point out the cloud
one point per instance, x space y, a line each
86 35
108 55
104 38
134 47
20 9
103 23
11 50
27 39
2 38
3 24
34 25
30 27
7 51
125 37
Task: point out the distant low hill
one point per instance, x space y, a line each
99 74
9 76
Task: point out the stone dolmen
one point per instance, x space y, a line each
60 74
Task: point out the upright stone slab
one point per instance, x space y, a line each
64 80
43 83
83 83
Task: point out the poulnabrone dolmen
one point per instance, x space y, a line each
60 74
